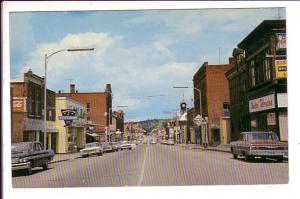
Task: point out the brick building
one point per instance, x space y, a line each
211 81
265 59
98 107
27 115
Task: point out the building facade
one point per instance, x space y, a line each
98 107
237 77
265 54
27 114
211 85
71 137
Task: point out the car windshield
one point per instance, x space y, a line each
20 147
91 145
262 137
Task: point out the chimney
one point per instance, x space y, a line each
108 88
72 88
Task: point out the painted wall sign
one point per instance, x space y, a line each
281 41
263 103
19 104
281 68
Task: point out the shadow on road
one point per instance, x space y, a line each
262 160
24 172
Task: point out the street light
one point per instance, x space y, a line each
200 109
45 81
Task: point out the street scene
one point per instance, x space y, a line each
148 98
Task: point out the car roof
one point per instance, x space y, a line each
248 132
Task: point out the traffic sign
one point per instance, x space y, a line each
198 120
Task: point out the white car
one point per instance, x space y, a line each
94 148
170 142
153 142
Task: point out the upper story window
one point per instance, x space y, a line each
88 107
252 73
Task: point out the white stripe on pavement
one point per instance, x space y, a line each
143 167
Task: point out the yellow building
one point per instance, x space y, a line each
70 137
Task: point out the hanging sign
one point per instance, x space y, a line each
68 115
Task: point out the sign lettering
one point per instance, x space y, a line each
263 103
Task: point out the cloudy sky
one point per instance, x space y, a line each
142 54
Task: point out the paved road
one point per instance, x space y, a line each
154 165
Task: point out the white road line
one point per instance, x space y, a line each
143 167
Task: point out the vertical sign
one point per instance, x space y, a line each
281 68
281 41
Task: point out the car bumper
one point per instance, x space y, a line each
20 166
268 153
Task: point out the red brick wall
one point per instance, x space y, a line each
17 127
217 91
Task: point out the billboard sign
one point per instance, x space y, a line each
281 68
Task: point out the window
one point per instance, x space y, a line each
267 67
88 106
252 73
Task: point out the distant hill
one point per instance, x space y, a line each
151 124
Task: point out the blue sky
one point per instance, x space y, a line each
140 53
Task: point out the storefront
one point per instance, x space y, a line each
269 113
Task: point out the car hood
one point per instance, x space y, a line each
270 143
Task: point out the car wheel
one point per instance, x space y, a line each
280 159
29 169
234 155
248 158
45 166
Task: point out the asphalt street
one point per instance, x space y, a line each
154 165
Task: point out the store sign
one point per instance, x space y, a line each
19 104
261 104
282 100
281 68
281 41
68 115
271 119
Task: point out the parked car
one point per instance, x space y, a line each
94 148
133 144
153 142
28 155
170 142
125 145
115 146
259 144
107 147
164 142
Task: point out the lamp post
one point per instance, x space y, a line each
205 141
45 87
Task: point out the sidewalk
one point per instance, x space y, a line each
221 148
64 157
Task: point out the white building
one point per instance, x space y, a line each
72 137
